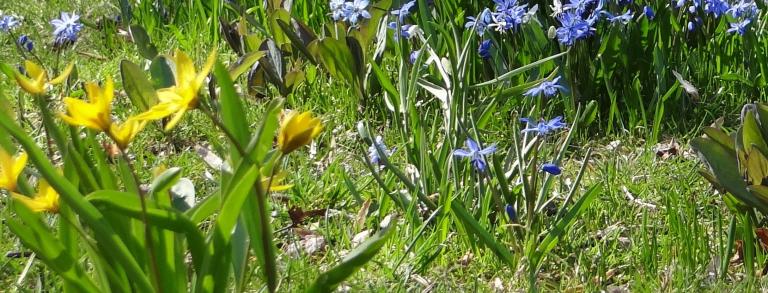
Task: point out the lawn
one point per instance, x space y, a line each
431 146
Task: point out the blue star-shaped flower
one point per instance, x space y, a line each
543 127
66 28
548 88
475 154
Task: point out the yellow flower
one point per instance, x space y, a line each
181 97
125 133
35 83
94 114
297 130
46 199
276 183
10 169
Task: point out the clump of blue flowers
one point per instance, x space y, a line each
475 154
349 11
543 127
742 16
66 28
507 16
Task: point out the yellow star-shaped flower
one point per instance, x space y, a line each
182 97
297 130
94 114
124 133
46 199
10 169
38 78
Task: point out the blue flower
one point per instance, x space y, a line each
623 18
543 127
404 10
648 12
355 10
485 49
406 30
746 9
373 153
25 43
337 9
475 154
740 27
548 88
413 56
511 212
679 3
66 28
578 6
691 26
480 23
8 22
551 168
573 28
509 15
716 7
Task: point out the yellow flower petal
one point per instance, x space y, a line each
10 169
125 133
297 130
46 199
64 74
94 114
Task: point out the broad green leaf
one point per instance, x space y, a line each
143 44
161 72
751 133
724 166
720 137
485 237
136 86
163 217
244 63
297 41
232 112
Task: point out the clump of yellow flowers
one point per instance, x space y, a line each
46 199
96 114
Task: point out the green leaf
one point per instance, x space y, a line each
161 72
232 112
485 237
244 63
298 42
751 133
560 228
352 262
163 217
143 44
519 70
724 166
137 86
38 237
720 137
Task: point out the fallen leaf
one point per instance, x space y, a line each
298 215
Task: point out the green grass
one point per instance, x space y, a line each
672 237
